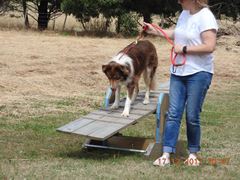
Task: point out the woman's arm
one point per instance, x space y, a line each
154 31
208 46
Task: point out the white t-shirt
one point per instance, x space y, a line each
188 33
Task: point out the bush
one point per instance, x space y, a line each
128 24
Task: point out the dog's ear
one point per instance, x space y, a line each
104 68
125 70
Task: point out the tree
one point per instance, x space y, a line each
83 10
229 8
112 8
146 8
4 6
45 10
25 13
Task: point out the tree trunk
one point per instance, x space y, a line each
25 14
147 17
54 23
107 24
83 24
43 16
64 22
118 26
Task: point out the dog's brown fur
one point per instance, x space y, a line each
144 60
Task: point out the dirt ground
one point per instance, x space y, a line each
45 66
48 79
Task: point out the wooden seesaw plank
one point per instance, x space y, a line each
99 130
74 125
110 119
116 114
140 106
102 124
119 111
94 127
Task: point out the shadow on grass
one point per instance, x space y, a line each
96 154
105 154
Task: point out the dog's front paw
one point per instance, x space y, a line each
125 114
146 101
114 106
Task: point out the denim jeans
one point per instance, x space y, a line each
185 91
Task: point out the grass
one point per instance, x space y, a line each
32 149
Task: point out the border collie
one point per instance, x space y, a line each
126 68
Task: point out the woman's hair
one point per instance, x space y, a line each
202 3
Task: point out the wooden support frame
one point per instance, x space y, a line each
121 143
101 127
149 147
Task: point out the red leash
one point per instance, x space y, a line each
127 49
133 44
172 57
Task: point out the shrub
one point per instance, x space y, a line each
128 24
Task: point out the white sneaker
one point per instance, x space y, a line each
162 161
192 160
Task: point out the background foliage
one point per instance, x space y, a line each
45 10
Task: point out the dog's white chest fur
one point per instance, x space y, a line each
124 59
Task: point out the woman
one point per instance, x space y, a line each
194 36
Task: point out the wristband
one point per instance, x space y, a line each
184 49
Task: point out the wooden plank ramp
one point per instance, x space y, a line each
102 124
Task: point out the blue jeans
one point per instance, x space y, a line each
185 91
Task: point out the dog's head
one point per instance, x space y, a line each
116 73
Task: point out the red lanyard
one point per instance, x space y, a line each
173 55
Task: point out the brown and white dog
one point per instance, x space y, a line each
126 68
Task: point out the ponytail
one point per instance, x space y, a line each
202 3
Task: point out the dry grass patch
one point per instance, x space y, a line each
48 80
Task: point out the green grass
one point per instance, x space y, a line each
31 148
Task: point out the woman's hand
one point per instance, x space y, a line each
178 48
208 46
150 29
